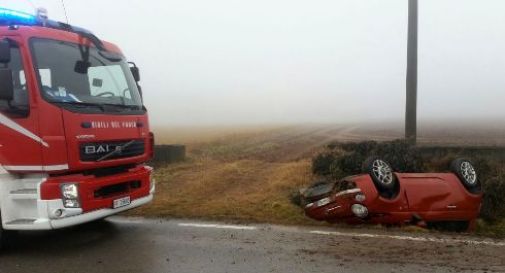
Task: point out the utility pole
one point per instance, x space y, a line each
411 103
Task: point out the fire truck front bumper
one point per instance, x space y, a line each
75 199
79 217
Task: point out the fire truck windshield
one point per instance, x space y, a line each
77 75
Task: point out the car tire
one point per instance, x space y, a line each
381 173
466 173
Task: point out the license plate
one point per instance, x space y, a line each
121 202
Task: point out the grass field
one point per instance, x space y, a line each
241 174
250 174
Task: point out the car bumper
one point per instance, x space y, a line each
332 212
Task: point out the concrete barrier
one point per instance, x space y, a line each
169 153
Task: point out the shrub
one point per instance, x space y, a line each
322 162
493 207
402 156
349 158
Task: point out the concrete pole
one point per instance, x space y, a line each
411 103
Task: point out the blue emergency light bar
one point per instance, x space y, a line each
13 17
17 17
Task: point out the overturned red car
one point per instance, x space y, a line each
382 196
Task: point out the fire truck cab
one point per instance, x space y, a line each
74 133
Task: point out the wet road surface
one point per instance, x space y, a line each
121 244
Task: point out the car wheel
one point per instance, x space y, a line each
466 173
381 173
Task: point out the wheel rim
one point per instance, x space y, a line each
468 173
382 171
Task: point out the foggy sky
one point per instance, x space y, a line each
289 61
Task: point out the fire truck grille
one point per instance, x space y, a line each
116 189
103 151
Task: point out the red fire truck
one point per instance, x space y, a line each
74 133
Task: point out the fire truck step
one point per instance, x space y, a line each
24 194
21 222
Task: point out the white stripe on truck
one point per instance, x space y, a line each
36 168
9 123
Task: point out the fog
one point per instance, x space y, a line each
287 61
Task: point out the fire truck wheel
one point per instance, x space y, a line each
2 235
6 236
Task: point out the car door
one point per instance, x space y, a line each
425 192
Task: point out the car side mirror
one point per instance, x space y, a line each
5 52
135 71
7 86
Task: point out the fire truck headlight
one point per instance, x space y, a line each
69 191
71 203
70 195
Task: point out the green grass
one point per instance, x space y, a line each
495 229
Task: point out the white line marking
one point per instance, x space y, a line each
217 226
407 238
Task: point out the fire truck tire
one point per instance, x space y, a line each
2 235
6 236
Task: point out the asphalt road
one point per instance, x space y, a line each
138 245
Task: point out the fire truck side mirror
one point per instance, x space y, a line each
135 71
6 84
5 52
